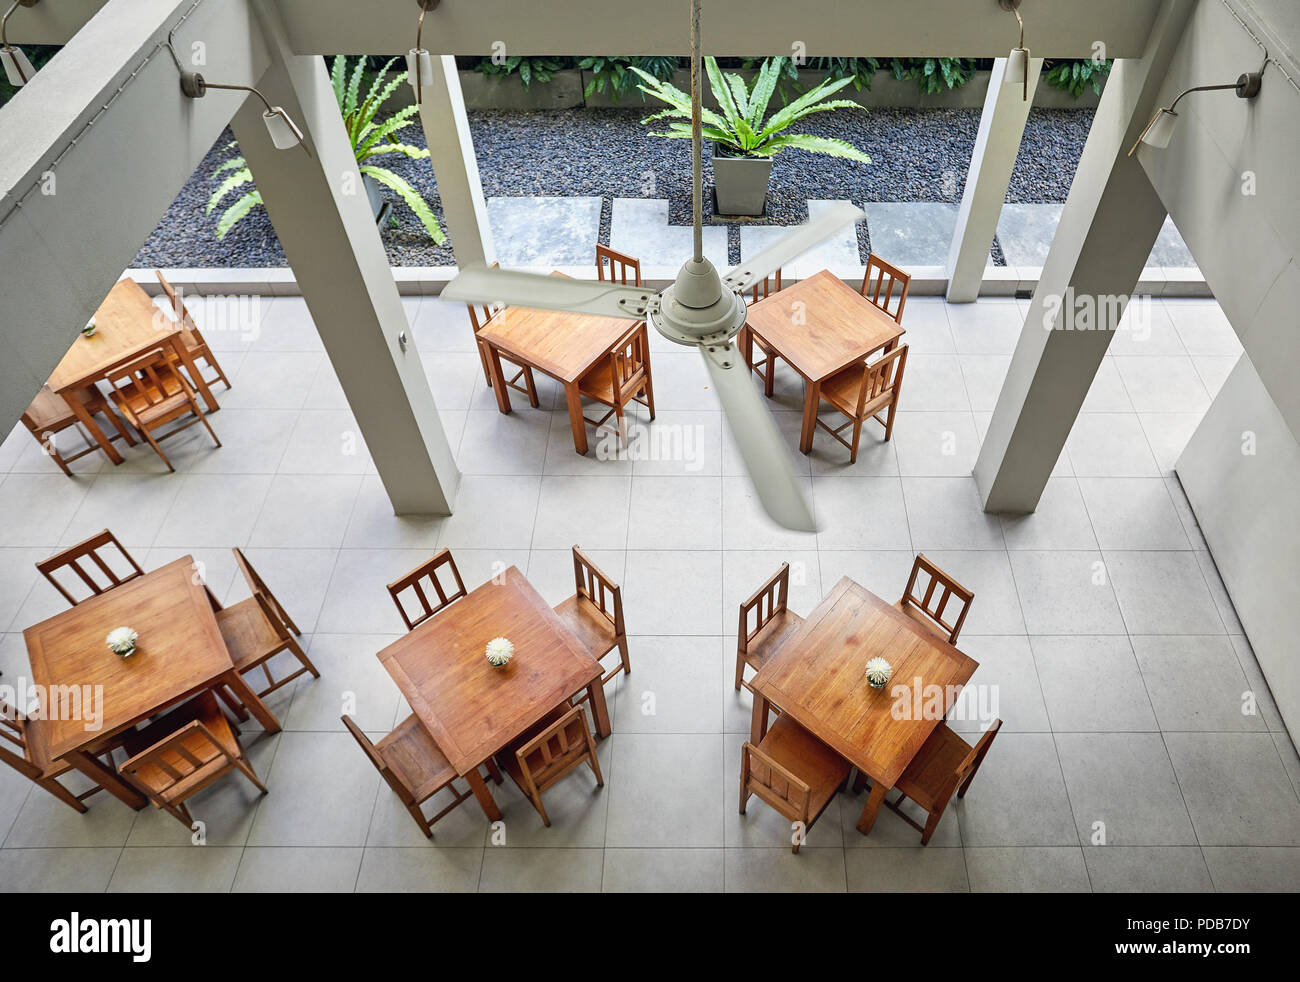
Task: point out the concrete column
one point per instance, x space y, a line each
451 152
323 220
1002 125
1109 223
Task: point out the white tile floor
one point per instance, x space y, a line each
1117 660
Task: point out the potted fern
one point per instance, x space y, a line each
744 137
370 138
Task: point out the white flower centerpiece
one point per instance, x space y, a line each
499 651
878 673
90 328
122 641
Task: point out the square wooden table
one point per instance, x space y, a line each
473 709
818 677
562 345
833 327
180 652
127 326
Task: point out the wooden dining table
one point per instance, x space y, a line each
127 326
819 325
473 709
180 652
818 677
562 345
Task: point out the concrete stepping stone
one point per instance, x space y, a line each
911 233
839 250
1026 232
545 231
639 227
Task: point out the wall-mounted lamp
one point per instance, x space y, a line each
1017 70
283 130
1160 130
419 63
18 69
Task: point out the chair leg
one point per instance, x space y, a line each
622 653
302 657
117 424
234 705
889 423
541 810
532 387
769 379
62 793
425 826
649 390
857 435
931 824
203 418
247 769
740 670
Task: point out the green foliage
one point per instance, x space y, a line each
934 74
787 79
743 126
860 70
612 72
369 138
1073 75
529 68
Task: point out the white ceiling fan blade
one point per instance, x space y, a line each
477 283
800 239
764 449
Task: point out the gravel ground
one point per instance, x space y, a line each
917 155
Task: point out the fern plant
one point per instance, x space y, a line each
612 72
934 74
741 128
369 137
1073 75
529 68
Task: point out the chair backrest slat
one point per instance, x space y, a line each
559 748
176 756
925 603
771 284
407 795
595 586
777 786
619 265
882 376
887 277
768 601
480 314
441 564
97 549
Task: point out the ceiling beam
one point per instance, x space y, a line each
939 28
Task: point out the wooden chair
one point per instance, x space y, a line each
561 742
929 607
411 764
191 336
862 392
412 581
792 771
595 615
619 264
183 752
765 367
98 567
31 757
887 277
479 315
49 414
256 630
944 764
623 376
150 392
773 624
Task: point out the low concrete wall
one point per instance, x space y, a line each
565 91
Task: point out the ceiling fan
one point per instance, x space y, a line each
701 309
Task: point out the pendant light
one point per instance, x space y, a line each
1160 130
18 68
1017 70
419 63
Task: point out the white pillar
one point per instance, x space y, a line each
1109 223
322 218
451 152
1002 125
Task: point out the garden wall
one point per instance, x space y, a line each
565 91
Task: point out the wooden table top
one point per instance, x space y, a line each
127 324
818 677
562 345
836 326
180 650
471 708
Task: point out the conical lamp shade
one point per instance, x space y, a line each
18 69
1017 67
1161 130
284 134
419 68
